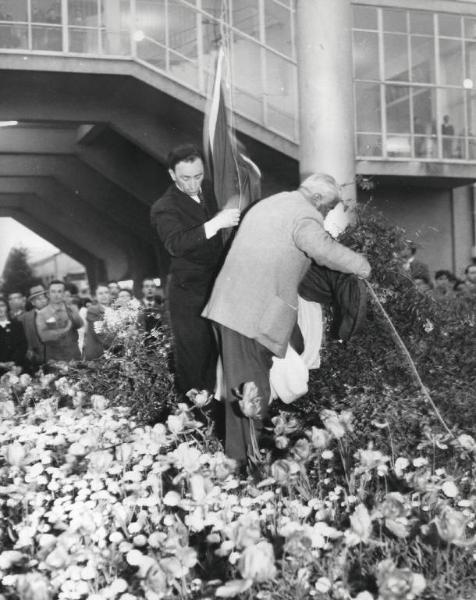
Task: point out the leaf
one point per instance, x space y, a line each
233 588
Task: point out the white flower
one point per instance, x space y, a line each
172 498
449 489
400 465
323 585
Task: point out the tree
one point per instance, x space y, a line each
17 274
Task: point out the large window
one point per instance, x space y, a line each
414 75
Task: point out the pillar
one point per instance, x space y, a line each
326 98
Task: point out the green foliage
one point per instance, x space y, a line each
370 374
134 373
17 273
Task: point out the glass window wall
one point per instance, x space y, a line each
419 81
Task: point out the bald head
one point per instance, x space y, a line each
322 190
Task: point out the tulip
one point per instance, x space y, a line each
398 584
98 402
257 562
33 586
451 525
249 400
15 454
199 398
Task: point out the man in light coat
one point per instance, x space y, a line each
255 297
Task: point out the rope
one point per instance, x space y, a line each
399 342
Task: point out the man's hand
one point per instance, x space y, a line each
228 217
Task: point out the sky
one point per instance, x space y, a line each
14 234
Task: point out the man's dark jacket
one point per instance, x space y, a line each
179 221
194 260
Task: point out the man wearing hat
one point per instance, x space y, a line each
36 349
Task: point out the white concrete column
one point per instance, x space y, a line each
326 98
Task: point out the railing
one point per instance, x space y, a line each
175 37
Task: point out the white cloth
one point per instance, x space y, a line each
289 376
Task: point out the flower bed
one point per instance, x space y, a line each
97 505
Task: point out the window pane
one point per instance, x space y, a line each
280 93
245 16
396 57
365 52
470 70
452 126
449 25
84 41
367 99
278 27
365 17
182 29
421 22
45 11
451 62
13 10
471 107
247 83
83 13
398 109
369 145
13 36
423 59
47 38
150 19
424 122
470 28
394 20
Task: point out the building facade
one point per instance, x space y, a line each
384 89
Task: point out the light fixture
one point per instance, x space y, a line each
139 35
8 123
468 84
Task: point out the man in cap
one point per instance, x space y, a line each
36 349
255 297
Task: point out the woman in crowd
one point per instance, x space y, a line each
13 344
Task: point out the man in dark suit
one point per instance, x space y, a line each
187 221
151 304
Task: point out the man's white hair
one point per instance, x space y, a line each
322 184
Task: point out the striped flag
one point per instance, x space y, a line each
236 179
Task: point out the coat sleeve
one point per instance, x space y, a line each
178 238
312 239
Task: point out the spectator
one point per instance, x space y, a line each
412 265
94 341
423 285
445 283
36 348
447 131
113 289
58 325
71 294
13 344
468 286
124 296
16 305
151 305
84 293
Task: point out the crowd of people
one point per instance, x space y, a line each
57 322
444 285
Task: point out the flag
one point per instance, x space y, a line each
236 179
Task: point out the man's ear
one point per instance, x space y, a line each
172 175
